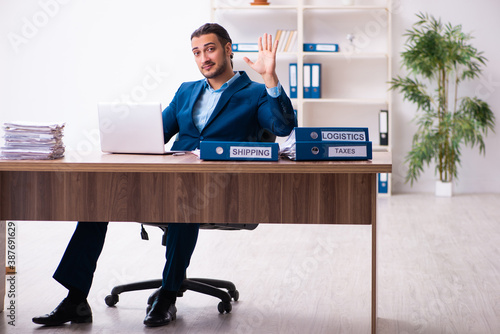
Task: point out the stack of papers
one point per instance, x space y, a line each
288 148
32 141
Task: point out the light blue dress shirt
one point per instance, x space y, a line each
209 97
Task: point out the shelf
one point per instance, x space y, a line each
343 55
250 53
347 75
380 148
346 55
271 7
281 7
350 101
358 8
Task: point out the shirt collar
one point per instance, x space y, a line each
225 85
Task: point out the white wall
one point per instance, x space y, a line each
58 58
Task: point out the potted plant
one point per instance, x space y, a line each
439 58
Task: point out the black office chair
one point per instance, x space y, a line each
211 287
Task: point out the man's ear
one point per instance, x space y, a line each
229 48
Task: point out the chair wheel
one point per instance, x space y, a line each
111 300
224 307
235 295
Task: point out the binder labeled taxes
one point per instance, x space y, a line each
335 150
331 134
244 151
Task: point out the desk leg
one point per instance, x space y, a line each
2 263
374 271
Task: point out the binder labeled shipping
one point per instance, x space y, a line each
223 150
331 134
354 150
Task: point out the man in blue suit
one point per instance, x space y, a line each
225 106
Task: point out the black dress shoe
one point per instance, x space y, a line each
66 311
163 310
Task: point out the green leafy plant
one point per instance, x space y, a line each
439 58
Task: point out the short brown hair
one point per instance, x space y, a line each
213 28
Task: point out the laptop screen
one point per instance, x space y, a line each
131 128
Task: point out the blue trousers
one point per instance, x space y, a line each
78 264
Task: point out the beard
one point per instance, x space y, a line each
221 68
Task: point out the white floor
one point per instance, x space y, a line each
439 272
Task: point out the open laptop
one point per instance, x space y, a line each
131 128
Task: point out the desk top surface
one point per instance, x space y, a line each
189 163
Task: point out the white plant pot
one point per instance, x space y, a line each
444 189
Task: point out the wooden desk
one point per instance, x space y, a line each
109 187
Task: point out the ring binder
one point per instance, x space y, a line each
333 150
244 151
384 127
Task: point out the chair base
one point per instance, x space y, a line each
211 287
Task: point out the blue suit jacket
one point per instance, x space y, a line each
242 113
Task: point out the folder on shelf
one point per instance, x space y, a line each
331 134
245 47
321 47
292 37
293 80
315 81
290 46
277 37
283 40
335 150
384 127
383 183
223 150
307 81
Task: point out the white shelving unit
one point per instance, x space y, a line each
354 81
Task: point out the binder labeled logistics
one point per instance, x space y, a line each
224 150
245 47
321 47
293 81
336 150
331 134
315 81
